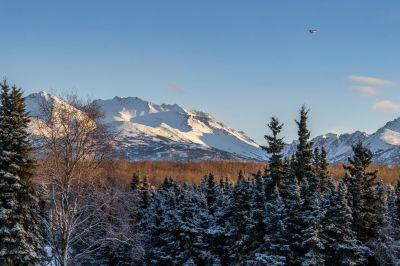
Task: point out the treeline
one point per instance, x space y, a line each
290 213
155 171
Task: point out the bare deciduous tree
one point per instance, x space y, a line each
74 144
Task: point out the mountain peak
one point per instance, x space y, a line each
393 125
167 131
40 95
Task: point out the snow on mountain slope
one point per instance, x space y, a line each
164 132
39 105
391 137
171 124
169 132
384 143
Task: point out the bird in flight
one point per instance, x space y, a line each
312 31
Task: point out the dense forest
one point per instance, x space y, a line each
292 212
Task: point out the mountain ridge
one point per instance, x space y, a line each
384 144
149 131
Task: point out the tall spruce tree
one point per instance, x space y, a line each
292 219
321 166
211 191
258 213
311 215
213 234
226 186
386 246
20 240
303 165
239 221
274 170
340 241
276 246
363 196
307 247
135 181
145 192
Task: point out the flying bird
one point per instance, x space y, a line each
312 31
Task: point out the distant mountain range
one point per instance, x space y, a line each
149 131
384 143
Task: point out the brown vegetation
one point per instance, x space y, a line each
121 171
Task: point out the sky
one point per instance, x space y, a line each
241 61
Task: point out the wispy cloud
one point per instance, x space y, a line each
365 90
370 80
386 106
173 88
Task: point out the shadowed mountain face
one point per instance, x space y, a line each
148 131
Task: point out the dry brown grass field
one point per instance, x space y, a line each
121 171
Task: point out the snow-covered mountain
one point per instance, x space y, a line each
165 132
384 143
147 131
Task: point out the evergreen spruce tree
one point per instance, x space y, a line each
386 246
321 166
135 181
20 234
181 230
292 219
287 173
302 163
363 196
212 217
340 241
220 231
226 186
381 203
276 246
211 191
157 229
169 228
192 221
240 176
274 170
257 227
222 184
145 192
311 215
307 247
239 221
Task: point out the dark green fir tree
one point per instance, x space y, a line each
274 170
135 181
211 191
321 166
20 241
303 160
340 241
364 198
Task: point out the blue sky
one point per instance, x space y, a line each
242 61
